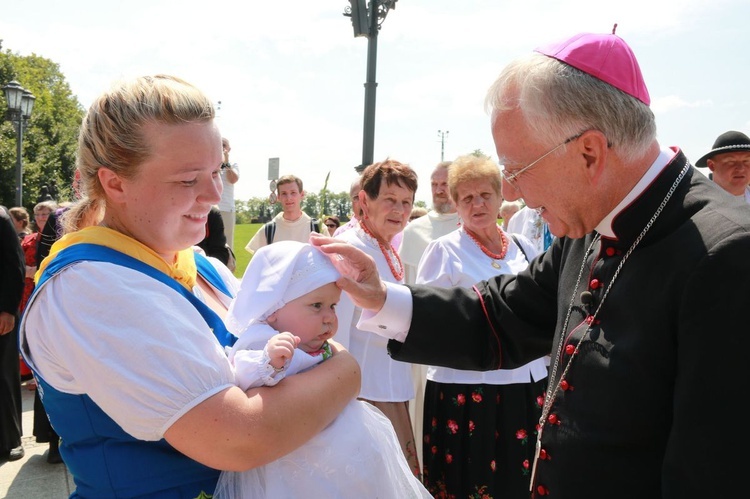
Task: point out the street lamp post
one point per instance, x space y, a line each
20 104
442 135
366 21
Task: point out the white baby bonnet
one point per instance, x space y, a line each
277 274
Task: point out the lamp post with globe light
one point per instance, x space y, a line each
20 104
366 21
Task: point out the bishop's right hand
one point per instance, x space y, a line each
360 278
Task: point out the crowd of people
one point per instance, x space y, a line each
541 331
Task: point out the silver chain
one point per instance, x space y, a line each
552 391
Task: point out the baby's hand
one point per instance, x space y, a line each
280 349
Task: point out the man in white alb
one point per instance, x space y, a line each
440 220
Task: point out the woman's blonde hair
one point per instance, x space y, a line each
470 167
112 137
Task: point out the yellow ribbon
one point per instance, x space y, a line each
183 270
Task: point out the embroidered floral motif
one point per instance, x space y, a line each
452 427
481 493
522 435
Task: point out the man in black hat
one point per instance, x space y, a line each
729 161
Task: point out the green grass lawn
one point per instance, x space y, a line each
242 235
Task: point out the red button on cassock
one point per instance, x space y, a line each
569 349
552 419
542 454
610 251
542 490
564 385
594 284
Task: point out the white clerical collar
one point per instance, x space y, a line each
662 160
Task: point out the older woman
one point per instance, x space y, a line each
126 342
30 243
479 426
386 200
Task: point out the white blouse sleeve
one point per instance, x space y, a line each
140 350
436 266
253 368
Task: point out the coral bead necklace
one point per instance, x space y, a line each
387 252
486 251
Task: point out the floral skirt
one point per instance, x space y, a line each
479 439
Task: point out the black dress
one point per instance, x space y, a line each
215 242
51 232
12 273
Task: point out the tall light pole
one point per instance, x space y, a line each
366 21
20 104
442 135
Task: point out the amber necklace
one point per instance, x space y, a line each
486 251
555 383
387 252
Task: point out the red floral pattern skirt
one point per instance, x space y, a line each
479 439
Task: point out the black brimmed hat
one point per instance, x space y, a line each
731 141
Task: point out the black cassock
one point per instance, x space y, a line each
650 406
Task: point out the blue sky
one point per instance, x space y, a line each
290 75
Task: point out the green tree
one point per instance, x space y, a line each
311 204
257 210
49 143
254 210
340 205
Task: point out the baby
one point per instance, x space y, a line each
284 314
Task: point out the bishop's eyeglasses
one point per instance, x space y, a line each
511 177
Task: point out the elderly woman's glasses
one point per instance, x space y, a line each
512 177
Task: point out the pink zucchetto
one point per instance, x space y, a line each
606 57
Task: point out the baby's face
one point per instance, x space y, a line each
312 317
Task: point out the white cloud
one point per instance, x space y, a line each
671 102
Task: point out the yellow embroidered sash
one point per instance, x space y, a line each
183 270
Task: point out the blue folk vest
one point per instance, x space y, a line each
105 461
